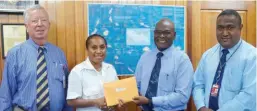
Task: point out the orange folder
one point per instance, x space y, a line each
124 89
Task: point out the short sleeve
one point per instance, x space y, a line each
74 86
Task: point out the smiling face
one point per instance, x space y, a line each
38 25
164 34
96 50
228 31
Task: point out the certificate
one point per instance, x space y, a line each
12 35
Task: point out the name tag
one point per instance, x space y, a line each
214 90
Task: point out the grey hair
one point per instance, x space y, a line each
33 7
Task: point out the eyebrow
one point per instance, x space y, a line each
163 30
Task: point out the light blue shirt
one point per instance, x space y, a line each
238 90
19 77
175 78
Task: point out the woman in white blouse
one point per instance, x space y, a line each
85 86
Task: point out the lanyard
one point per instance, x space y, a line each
222 65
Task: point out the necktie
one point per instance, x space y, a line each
153 82
42 82
213 101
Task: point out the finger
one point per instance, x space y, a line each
119 105
136 98
136 101
122 101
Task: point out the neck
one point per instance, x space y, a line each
97 66
39 42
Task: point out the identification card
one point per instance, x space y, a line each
214 90
64 81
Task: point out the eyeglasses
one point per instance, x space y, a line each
37 21
165 32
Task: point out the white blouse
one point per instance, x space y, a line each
87 83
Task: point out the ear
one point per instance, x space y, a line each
174 36
241 27
26 26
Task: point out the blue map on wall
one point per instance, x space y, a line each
128 30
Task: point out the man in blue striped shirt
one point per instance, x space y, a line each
225 79
34 77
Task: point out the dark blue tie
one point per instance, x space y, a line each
213 102
153 82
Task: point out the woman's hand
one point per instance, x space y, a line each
122 105
100 103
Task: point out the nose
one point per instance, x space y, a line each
225 32
39 22
161 35
98 50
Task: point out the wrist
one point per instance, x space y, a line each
150 102
202 108
94 103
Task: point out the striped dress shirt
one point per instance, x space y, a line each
18 86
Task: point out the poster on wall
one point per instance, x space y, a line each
129 29
14 6
12 35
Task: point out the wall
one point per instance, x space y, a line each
69 28
7 18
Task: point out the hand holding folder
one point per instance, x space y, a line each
124 89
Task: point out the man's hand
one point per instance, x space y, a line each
140 100
205 109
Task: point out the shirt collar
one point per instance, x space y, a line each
166 52
88 65
233 49
31 42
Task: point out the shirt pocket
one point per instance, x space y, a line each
233 80
166 83
58 71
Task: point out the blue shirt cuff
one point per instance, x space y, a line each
157 101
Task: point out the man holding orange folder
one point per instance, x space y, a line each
167 85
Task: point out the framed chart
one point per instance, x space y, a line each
12 35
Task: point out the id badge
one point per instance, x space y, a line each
64 81
64 77
214 90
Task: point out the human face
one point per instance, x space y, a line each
96 50
228 31
38 25
164 34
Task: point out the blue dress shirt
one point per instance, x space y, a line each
237 90
175 78
19 77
